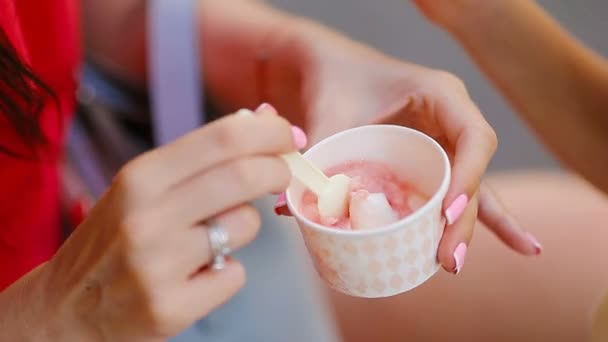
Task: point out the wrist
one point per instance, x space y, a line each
23 316
66 311
32 310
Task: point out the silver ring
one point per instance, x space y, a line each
218 241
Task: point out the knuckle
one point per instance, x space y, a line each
484 135
281 131
249 216
261 174
228 136
490 137
450 78
281 175
245 173
129 229
161 314
132 181
274 174
129 176
250 219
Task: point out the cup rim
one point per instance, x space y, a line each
438 196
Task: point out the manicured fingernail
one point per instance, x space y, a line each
280 207
299 137
453 212
537 245
266 108
459 254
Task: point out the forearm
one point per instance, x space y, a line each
246 46
559 86
243 41
115 37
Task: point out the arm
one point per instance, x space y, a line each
25 313
238 39
324 82
559 86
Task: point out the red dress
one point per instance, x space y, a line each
46 34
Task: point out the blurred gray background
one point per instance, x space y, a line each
396 27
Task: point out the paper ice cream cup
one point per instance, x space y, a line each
388 260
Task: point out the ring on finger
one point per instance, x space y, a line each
219 242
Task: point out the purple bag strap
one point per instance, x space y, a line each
176 97
174 68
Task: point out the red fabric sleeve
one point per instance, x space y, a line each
45 33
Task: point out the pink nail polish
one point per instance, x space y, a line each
280 207
453 212
537 246
266 108
459 254
299 137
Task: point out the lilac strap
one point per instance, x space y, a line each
174 68
175 91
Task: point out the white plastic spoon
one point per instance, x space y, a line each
332 192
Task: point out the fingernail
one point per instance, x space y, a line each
267 109
280 207
537 245
299 137
459 254
453 212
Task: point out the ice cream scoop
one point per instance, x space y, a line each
370 210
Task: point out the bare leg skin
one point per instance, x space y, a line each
501 296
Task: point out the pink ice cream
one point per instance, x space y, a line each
370 179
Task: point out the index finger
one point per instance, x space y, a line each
474 144
224 140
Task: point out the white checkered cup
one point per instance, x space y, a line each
388 260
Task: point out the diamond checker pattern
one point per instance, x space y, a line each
377 265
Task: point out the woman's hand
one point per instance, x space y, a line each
136 268
345 84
